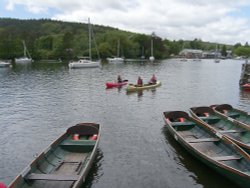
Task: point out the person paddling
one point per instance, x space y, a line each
153 79
139 81
119 79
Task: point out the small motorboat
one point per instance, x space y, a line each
4 64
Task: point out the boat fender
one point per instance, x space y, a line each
75 137
181 119
206 114
168 120
94 137
2 185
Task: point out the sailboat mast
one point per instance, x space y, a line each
24 49
118 48
152 50
90 55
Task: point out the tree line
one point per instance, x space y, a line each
49 39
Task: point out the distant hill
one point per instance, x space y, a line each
50 39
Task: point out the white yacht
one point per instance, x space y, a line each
86 62
26 56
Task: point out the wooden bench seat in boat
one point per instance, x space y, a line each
231 131
203 140
226 158
52 177
210 118
182 123
78 142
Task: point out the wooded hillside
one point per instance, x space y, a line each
48 39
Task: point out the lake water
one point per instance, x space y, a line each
40 101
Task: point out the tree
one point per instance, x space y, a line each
242 51
196 44
224 51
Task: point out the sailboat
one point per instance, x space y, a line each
152 58
26 55
86 62
4 64
117 59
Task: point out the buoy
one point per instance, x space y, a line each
75 137
2 185
224 111
94 137
181 119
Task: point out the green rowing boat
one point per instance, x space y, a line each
238 115
65 163
132 87
213 149
238 133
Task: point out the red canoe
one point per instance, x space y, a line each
115 84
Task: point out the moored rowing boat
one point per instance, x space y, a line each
65 163
215 150
237 115
238 133
133 87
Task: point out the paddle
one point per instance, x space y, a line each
124 80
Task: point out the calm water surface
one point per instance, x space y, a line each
40 101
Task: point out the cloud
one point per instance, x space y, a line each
215 21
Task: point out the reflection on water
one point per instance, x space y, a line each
40 101
139 93
95 172
245 95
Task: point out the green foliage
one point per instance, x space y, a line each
242 51
47 39
196 44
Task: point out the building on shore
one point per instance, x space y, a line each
191 53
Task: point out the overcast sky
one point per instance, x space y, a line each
222 21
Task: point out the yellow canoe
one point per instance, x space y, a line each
133 87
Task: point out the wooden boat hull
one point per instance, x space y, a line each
65 163
215 150
240 134
133 87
